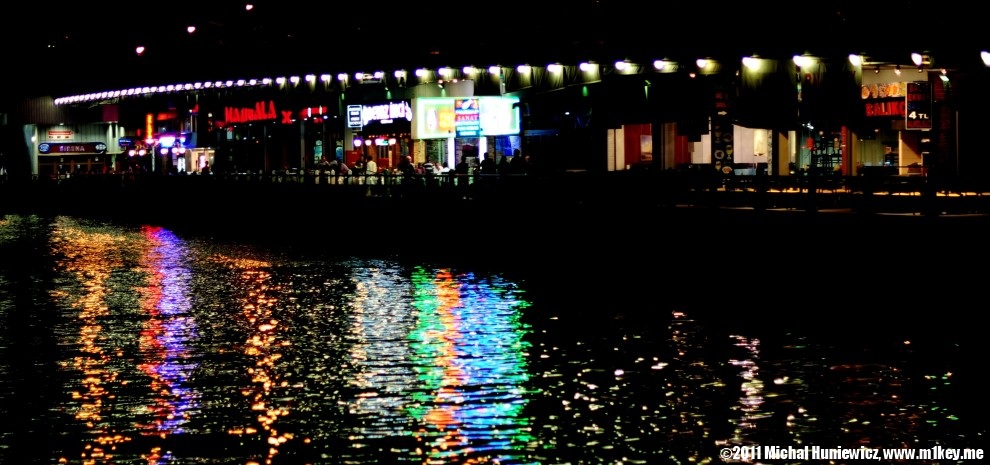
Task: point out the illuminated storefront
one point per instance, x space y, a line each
276 133
379 130
445 127
67 158
898 108
65 150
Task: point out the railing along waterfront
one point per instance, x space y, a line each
872 194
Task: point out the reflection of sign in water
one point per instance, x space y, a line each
467 401
918 113
467 117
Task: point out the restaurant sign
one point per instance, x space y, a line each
467 117
884 99
390 117
386 113
262 111
56 148
919 106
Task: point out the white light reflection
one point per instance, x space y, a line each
380 331
459 386
690 377
751 402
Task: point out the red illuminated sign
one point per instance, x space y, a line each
261 111
885 108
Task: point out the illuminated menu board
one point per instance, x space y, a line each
445 117
919 105
467 117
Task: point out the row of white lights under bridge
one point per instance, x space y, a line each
590 72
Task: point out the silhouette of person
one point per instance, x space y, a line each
518 163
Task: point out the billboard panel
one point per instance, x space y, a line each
444 117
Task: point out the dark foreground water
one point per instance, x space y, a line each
143 345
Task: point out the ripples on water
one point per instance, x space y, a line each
134 345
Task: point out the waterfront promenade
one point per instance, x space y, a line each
633 208
190 195
831 248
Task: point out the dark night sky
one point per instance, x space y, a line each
77 47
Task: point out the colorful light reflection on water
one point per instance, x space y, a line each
135 345
167 331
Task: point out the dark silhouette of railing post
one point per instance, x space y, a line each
869 188
811 205
930 196
762 185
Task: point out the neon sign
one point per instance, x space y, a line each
386 113
262 111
